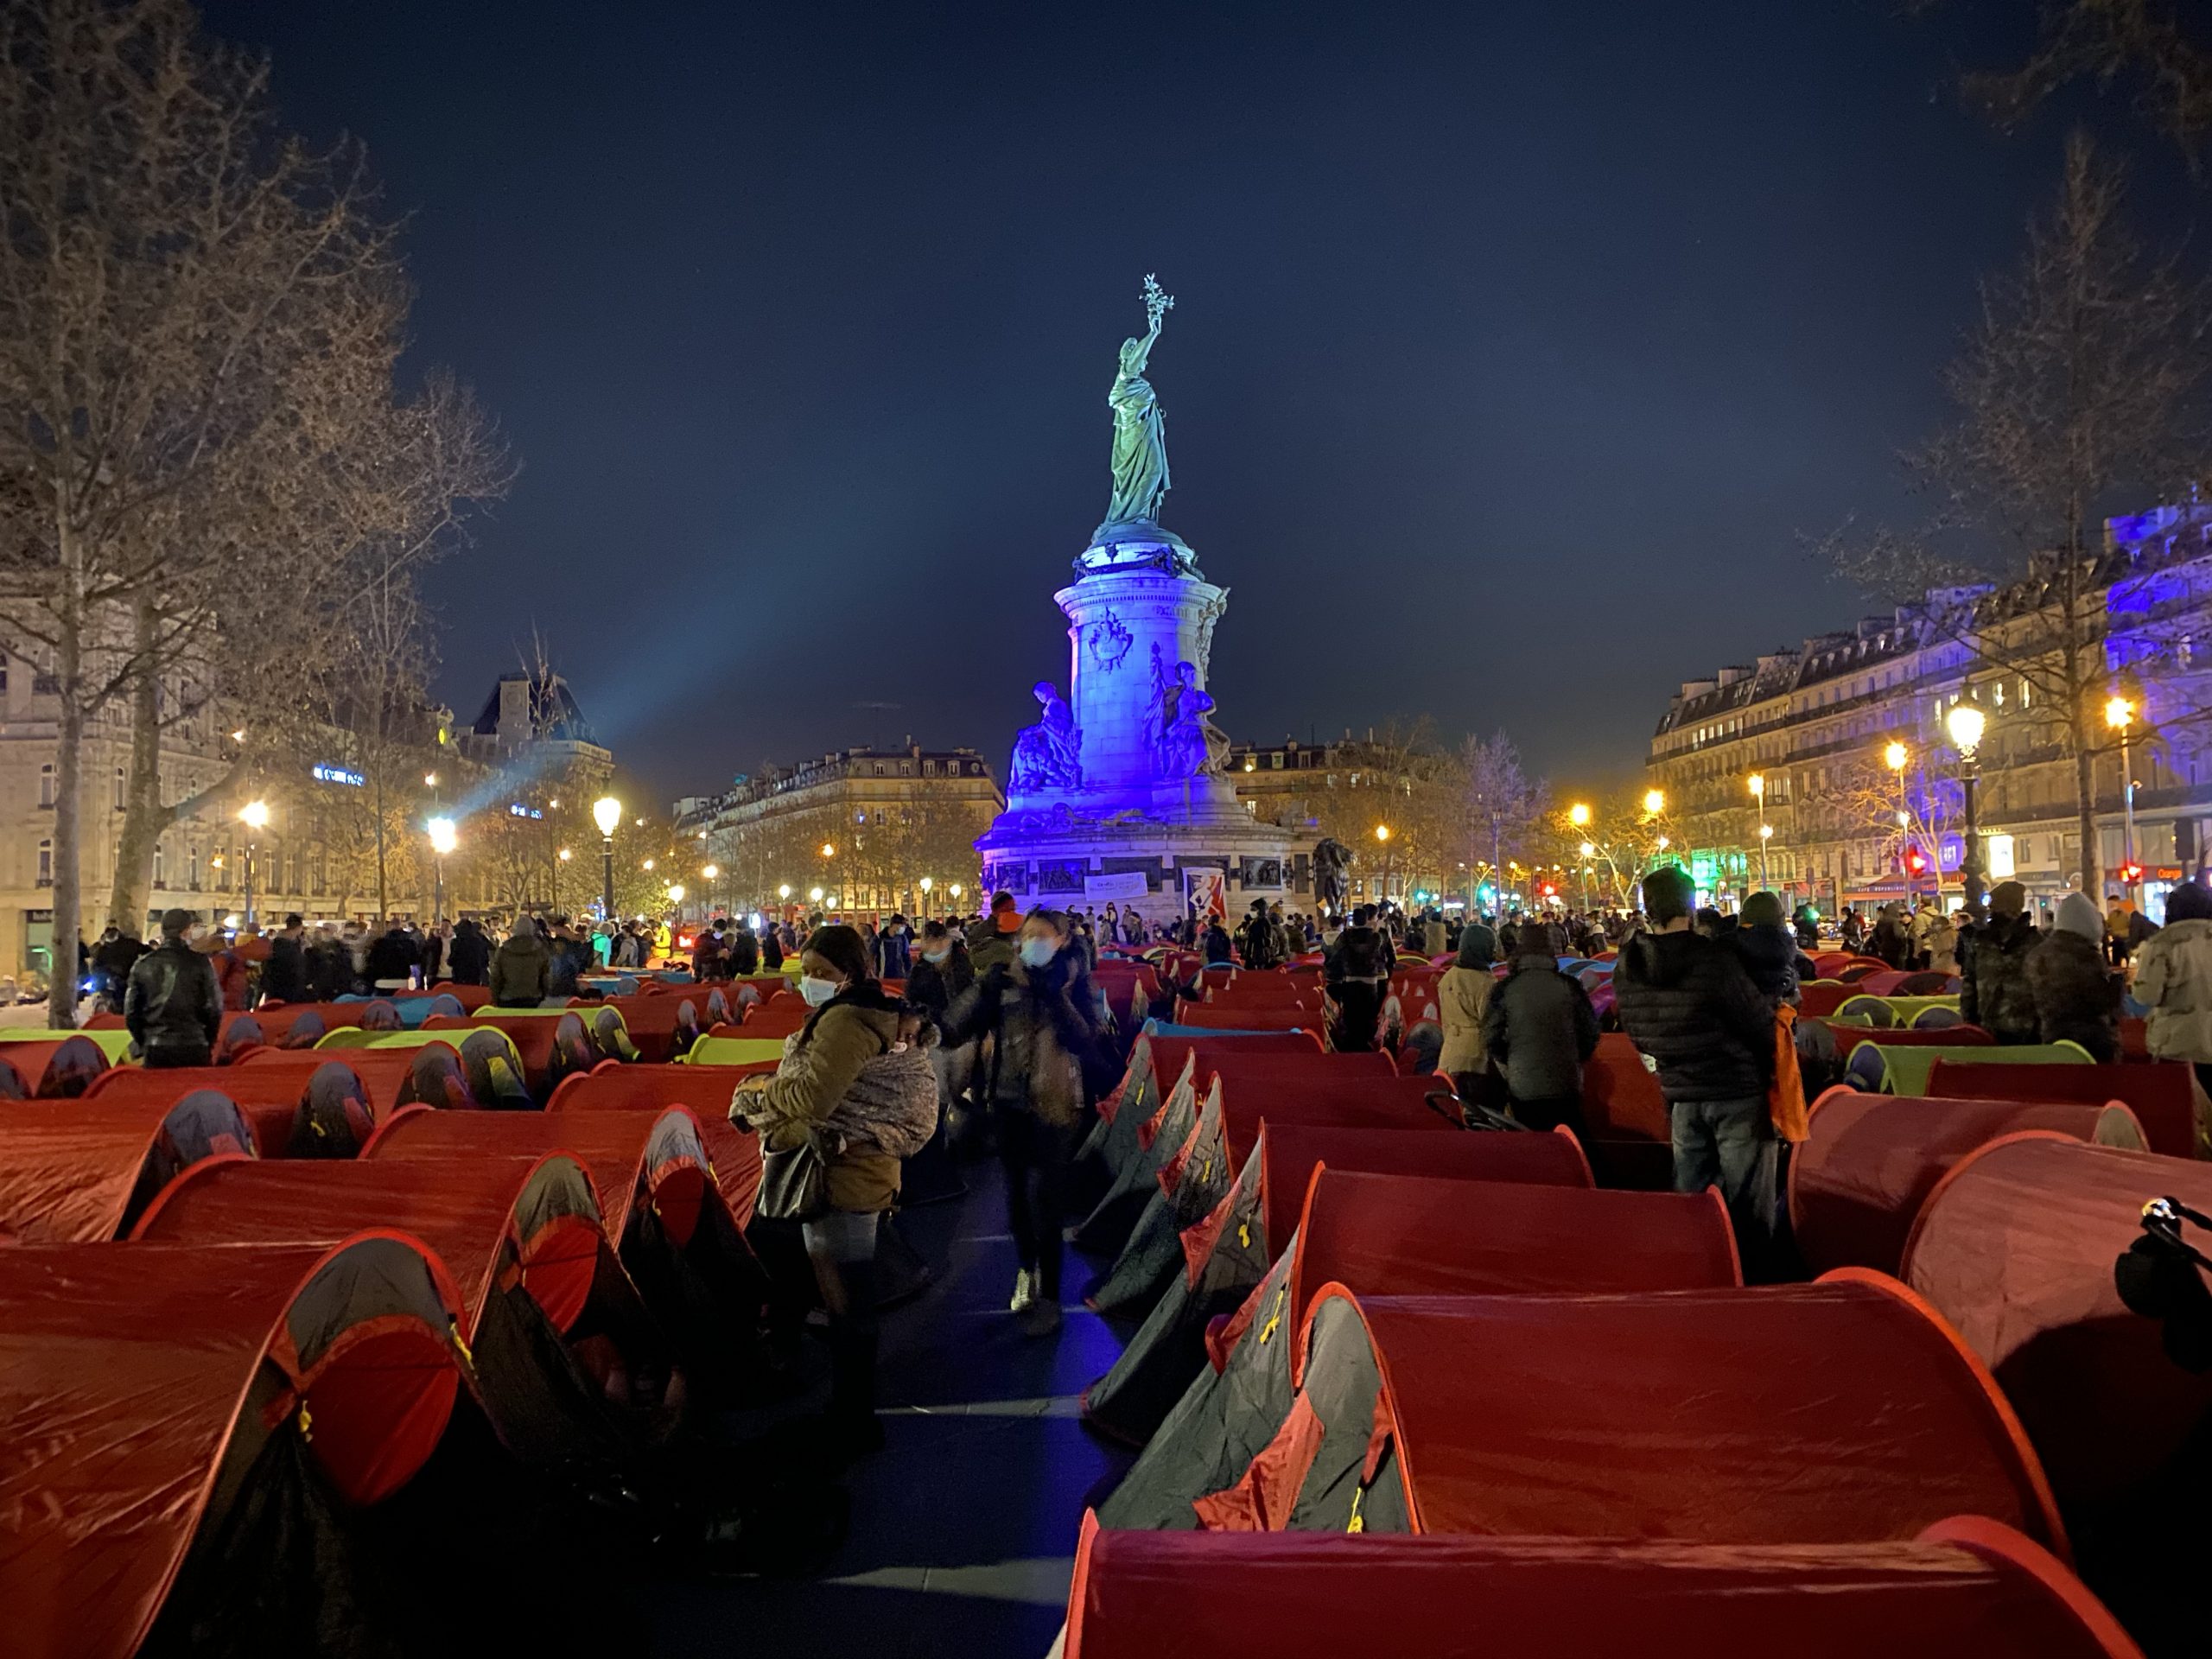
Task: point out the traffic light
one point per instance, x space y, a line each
1915 860
1549 891
2131 873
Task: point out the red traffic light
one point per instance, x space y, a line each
1915 860
2131 873
1549 891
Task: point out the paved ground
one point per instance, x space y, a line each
964 1529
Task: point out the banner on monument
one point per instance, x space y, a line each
1207 892
1120 884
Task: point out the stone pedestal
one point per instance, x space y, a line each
1138 608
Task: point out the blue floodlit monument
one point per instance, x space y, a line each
1119 789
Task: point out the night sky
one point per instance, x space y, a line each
1517 345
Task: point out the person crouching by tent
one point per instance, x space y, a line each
824 1074
1043 1014
173 1007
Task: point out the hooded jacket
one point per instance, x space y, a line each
1463 997
1045 1020
1539 1027
519 971
1690 1008
1993 990
2173 974
2076 999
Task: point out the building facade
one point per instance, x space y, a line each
862 831
1859 785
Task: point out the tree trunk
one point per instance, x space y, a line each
68 777
384 909
144 818
2085 792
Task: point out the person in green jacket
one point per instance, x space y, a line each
853 1021
521 969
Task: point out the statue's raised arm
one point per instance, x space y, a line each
1139 461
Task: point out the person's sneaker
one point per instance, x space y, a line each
1025 1291
1042 1318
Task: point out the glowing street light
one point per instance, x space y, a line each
676 893
1579 814
925 884
255 816
784 892
1895 756
607 813
1383 835
1655 801
828 850
711 871
2119 715
814 895
1766 830
443 840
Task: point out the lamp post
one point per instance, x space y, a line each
560 858
255 816
441 842
1766 830
1589 851
1895 756
1655 802
1383 835
607 813
2119 715
927 884
710 873
1966 723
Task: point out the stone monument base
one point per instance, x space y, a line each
1061 857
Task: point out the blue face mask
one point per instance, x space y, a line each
1038 953
817 991
936 956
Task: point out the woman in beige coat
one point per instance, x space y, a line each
1462 998
2173 977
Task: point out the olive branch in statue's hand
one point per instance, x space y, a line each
1156 303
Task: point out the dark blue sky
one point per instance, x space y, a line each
1515 343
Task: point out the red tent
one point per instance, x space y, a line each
141 1386
2163 1093
1632 1133
471 997
1408 1236
2016 1246
325 1100
1965 1586
1214 1017
81 1172
480 1216
1869 1162
1289 1151
664 1025
299 1025
432 1075
1227 1253
1845 1411
61 1069
735 1153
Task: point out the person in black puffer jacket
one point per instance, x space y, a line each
1539 1027
1690 1008
2077 998
1993 990
1767 949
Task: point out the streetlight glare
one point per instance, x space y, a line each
927 884
442 836
2119 714
565 855
1967 724
1589 848
607 813
255 814
647 865
711 871
1382 832
784 891
1578 815
814 893
1895 756
430 779
828 850
676 893
1758 784
1655 801
1766 832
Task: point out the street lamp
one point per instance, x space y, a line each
1655 801
1578 815
1966 723
1766 830
710 873
1383 835
927 884
564 855
255 816
441 842
1589 851
2119 715
607 813
1895 757
814 895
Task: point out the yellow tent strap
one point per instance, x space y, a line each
1275 1319
1244 1235
307 1421
461 1343
1358 1522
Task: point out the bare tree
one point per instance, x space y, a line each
1503 808
2081 379
2146 45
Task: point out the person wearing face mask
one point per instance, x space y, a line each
852 1022
1043 1013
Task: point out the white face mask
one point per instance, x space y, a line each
817 991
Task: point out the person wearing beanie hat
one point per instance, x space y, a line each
2173 976
994 940
2076 998
1463 997
1538 1028
1767 948
1993 990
